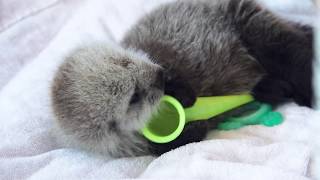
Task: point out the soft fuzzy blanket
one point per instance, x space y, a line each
34 38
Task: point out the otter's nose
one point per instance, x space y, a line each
159 80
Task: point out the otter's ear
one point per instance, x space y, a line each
181 91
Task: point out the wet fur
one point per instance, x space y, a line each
205 48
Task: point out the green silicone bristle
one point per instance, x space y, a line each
262 115
272 119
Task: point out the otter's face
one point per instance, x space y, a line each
106 90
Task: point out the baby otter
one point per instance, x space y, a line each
102 96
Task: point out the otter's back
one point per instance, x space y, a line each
195 41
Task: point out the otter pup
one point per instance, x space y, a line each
102 96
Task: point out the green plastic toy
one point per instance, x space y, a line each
168 122
251 114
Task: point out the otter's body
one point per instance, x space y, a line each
225 47
205 48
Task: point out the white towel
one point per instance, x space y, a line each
233 159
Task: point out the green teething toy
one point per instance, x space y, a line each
259 113
170 119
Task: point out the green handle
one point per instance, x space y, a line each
208 107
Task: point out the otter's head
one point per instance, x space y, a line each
101 93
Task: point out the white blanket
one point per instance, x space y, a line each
29 151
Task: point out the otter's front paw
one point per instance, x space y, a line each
182 92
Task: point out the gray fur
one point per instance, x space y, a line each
91 94
190 36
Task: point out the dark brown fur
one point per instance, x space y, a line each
223 47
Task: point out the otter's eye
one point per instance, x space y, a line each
135 98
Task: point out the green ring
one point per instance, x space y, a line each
182 120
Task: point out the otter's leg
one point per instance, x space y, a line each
284 49
273 91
